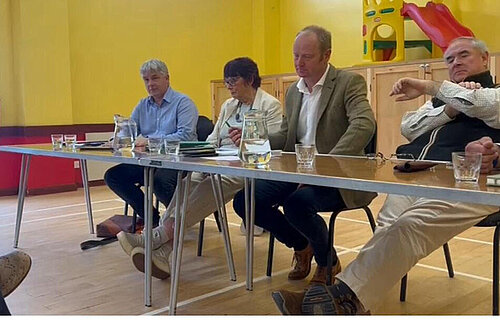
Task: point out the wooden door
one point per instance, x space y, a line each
284 82
389 112
269 85
436 71
219 95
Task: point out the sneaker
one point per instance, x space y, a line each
161 260
13 269
129 241
319 276
337 299
257 231
302 261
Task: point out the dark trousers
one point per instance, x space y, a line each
300 223
123 179
4 310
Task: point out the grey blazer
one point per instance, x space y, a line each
346 122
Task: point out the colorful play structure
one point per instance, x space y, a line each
384 30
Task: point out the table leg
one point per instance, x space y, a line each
178 239
85 180
23 181
148 232
221 207
249 220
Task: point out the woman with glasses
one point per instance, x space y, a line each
242 79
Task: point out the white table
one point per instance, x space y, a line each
357 173
333 171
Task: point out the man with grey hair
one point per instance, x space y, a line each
166 114
410 228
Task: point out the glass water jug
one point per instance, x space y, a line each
255 149
124 135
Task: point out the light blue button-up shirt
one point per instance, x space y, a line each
174 119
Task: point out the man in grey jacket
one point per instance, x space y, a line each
326 107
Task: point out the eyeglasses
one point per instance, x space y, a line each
231 81
393 157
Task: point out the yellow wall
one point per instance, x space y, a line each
110 39
342 17
483 18
41 62
7 99
77 61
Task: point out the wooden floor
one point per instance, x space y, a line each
66 280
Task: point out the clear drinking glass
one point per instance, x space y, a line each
70 141
305 155
155 145
172 147
466 166
57 141
255 149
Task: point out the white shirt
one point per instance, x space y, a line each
309 110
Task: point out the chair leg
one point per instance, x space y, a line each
200 237
217 220
496 273
402 292
134 222
270 254
370 217
447 257
331 229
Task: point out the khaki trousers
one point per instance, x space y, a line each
408 229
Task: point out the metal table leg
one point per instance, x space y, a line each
249 220
221 208
178 238
148 232
23 182
85 180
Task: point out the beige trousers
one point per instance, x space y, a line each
201 200
408 229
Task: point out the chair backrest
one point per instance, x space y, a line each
204 127
371 147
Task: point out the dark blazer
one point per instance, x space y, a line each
346 122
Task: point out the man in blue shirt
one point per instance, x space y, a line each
167 114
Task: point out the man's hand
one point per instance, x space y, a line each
409 88
470 85
235 135
489 150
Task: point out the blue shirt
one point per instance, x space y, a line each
174 119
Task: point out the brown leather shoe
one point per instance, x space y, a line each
288 302
319 276
302 261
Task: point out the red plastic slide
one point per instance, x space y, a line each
437 22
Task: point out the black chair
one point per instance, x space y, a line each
204 127
492 220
